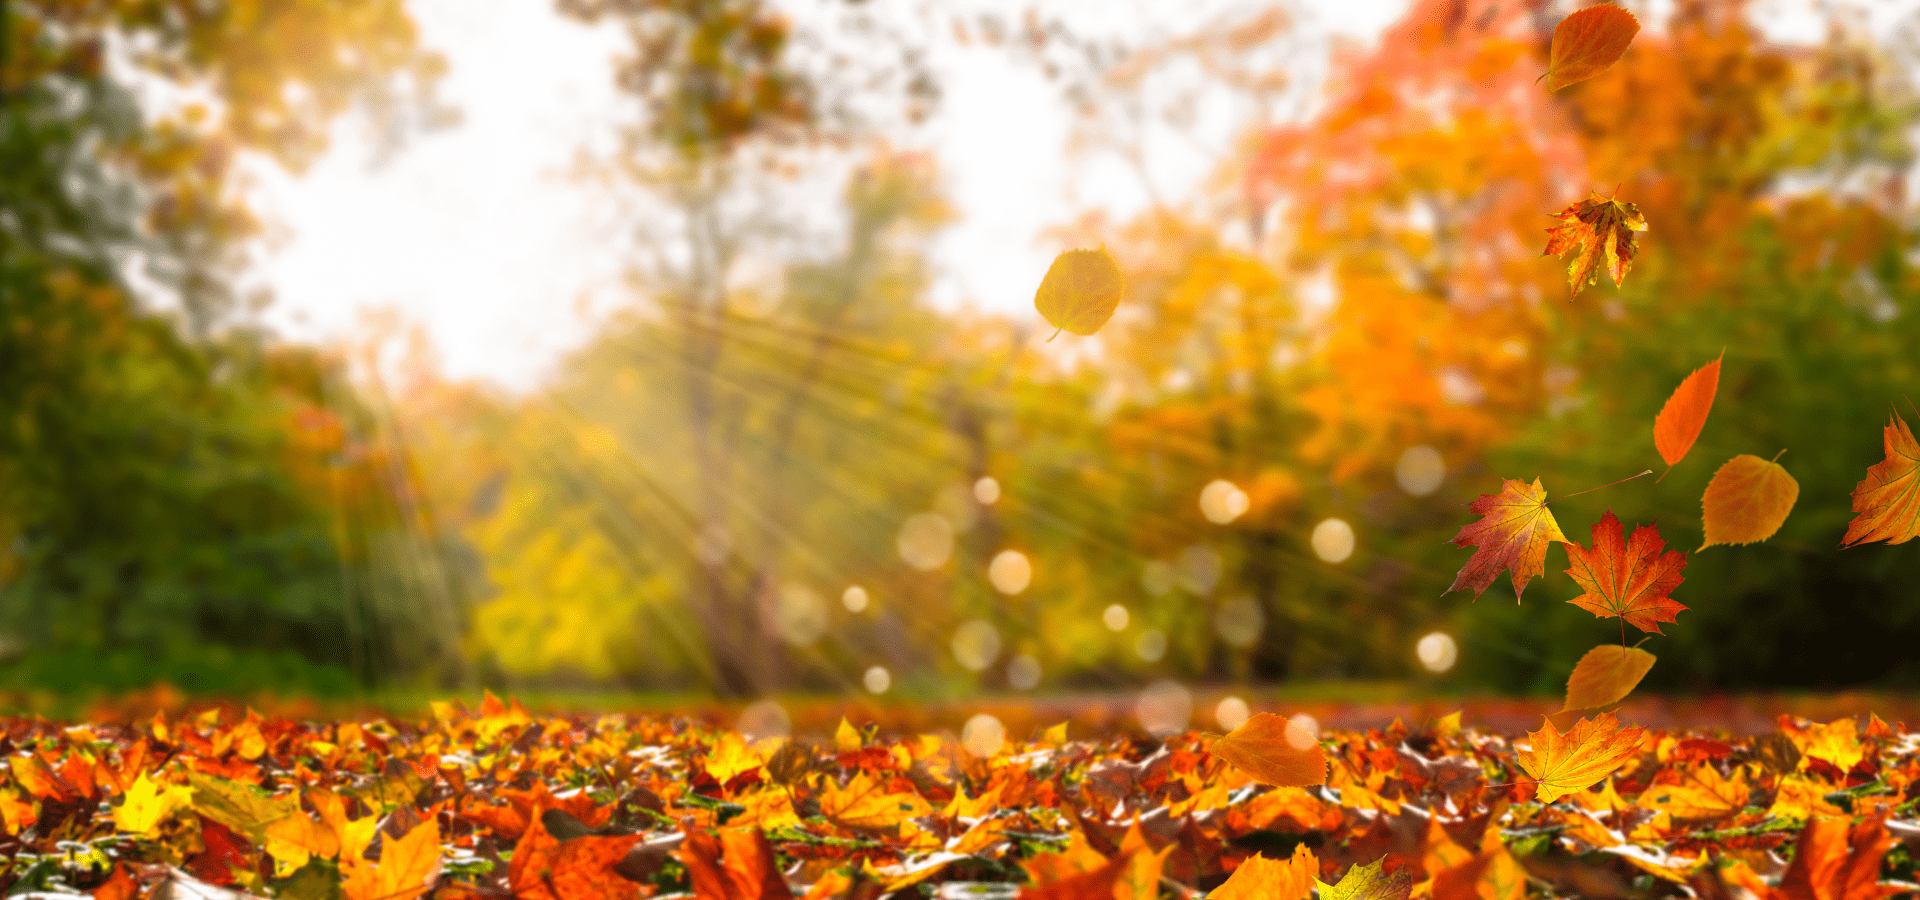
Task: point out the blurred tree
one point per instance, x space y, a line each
158 456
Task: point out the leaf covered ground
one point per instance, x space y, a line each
497 802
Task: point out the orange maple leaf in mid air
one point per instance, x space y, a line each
1886 503
1600 227
1627 578
1568 763
1513 533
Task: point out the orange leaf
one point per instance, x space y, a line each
580 868
1886 503
1627 578
1274 750
1833 862
1081 291
1513 533
1260 878
1605 675
118 886
406 870
1098 884
1603 228
1568 763
1589 42
1747 501
1700 793
865 804
1679 422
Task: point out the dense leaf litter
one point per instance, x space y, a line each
497 802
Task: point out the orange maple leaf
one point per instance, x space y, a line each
1567 763
1886 503
736 864
1832 861
1272 879
1627 578
1599 226
1512 534
1275 750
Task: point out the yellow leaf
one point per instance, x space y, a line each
1747 501
963 807
294 840
1369 882
147 804
1081 291
240 807
731 757
406 870
1800 797
1837 742
847 737
865 804
1140 878
1589 751
1702 793
1606 675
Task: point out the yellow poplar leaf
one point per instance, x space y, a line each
1369 882
1260 878
1746 501
1605 675
1685 413
731 757
1568 763
1589 42
1274 750
147 804
1081 291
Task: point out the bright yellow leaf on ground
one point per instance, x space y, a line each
147 804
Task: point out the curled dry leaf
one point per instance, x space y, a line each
1274 750
1602 228
1081 291
1568 763
1679 422
1627 578
1589 42
1513 533
1606 675
1747 501
1886 503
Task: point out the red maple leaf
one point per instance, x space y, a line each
1629 578
1513 533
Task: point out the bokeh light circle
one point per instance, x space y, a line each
855 599
987 490
1221 501
1420 470
877 680
764 719
1115 617
1151 645
1333 540
800 614
1437 651
925 541
1231 713
1023 672
1164 708
983 735
1239 621
976 644
1010 572
1303 731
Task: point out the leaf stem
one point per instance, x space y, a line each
1592 489
1055 334
1776 456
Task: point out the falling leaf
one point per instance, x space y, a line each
1081 291
1747 501
1589 42
1260 878
1513 533
1886 503
1679 422
1274 750
1369 882
1589 751
1606 675
1627 578
406 869
1603 228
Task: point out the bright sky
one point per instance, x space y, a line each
475 233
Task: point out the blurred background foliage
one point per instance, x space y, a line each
781 468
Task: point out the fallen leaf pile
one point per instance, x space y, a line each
500 803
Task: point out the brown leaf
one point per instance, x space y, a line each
1679 423
1589 42
1274 750
1606 675
1081 291
1747 501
